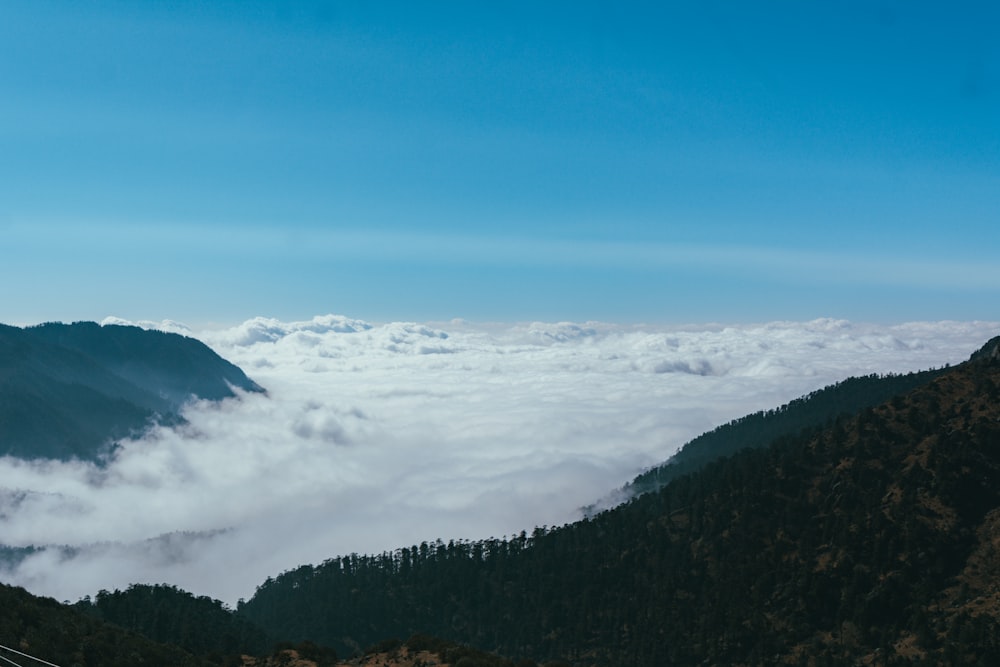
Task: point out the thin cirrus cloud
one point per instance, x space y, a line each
377 436
266 244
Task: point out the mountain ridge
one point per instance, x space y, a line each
813 410
55 632
70 390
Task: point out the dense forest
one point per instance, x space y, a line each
167 614
810 412
90 634
43 628
872 540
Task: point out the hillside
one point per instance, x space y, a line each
189 630
166 614
870 542
69 390
810 412
45 629
417 651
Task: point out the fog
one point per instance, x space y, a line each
377 436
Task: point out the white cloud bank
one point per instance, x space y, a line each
374 437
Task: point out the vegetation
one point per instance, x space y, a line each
810 412
63 636
417 651
69 390
421 649
166 614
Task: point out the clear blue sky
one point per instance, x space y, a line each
660 162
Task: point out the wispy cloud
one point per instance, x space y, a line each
298 243
379 436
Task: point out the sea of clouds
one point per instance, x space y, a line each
377 436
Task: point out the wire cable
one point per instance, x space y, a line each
24 655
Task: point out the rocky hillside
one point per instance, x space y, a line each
417 651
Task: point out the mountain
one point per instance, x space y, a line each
70 390
812 411
166 614
195 632
58 634
873 540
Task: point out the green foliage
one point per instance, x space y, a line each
810 412
169 615
61 635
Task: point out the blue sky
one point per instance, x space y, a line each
660 162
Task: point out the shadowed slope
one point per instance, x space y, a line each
69 390
43 628
813 411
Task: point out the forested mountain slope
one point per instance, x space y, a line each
870 542
58 634
68 390
169 615
810 412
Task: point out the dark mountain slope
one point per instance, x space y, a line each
870 542
43 628
69 390
812 411
167 614
170 366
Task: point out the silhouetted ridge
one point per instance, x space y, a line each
58 634
68 390
169 615
170 365
989 353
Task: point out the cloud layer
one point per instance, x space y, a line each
374 437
